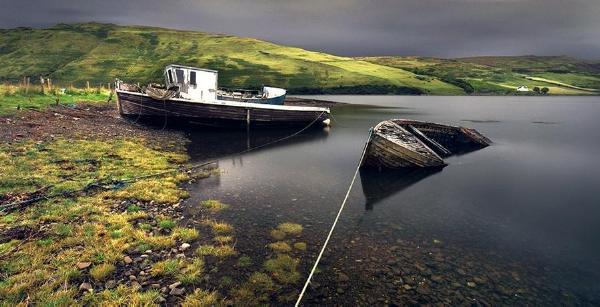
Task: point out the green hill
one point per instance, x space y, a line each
98 53
501 75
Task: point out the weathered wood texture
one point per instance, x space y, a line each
401 143
454 138
392 146
133 104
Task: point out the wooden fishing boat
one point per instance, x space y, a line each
404 143
190 94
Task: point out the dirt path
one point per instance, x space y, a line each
80 121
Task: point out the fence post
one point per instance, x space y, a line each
42 84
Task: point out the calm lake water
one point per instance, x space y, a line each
515 223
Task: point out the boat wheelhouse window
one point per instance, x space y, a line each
192 78
170 74
179 74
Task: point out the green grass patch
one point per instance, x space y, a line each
185 234
221 251
283 268
201 298
166 224
101 271
290 228
169 267
280 247
277 234
300 246
213 205
219 228
244 261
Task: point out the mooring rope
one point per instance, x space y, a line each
337 217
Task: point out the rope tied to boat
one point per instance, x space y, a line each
337 217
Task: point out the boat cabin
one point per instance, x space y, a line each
194 83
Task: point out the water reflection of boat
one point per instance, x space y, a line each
378 186
402 143
208 144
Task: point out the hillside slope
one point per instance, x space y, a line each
98 53
501 75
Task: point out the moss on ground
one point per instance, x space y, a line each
70 240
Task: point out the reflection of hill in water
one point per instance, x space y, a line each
378 186
208 144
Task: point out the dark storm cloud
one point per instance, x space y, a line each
447 28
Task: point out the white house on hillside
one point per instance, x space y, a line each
523 88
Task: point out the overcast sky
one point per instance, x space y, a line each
444 28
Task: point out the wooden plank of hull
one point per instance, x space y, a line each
441 150
392 146
133 104
448 136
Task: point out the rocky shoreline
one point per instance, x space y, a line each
124 240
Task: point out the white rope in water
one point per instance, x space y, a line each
314 268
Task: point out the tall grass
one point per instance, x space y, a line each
14 98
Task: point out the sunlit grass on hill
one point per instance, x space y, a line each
101 52
502 75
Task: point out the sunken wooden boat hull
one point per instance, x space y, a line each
218 113
402 143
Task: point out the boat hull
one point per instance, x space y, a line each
401 143
219 113
392 146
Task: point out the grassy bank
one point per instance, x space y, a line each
51 248
112 236
15 97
